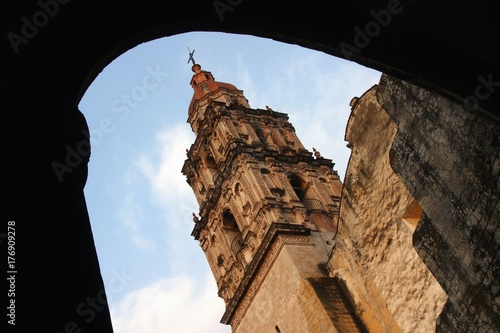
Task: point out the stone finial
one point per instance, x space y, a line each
196 68
317 153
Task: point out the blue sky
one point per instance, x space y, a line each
140 206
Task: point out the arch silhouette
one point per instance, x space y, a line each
423 42
52 50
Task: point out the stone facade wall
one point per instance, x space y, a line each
286 299
390 286
448 158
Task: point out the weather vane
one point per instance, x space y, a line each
190 56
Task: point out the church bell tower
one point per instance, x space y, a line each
268 214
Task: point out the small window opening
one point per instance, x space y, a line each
232 231
297 186
220 260
228 222
210 161
261 135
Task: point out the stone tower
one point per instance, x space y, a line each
268 215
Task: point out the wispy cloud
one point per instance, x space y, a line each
131 215
170 192
163 168
177 304
322 125
315 92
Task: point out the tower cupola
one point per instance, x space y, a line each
203 82
206 90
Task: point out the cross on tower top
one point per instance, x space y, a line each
191 56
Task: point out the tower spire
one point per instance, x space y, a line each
207 90
259 190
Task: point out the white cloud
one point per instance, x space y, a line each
164 169
171 305
171 193
129 214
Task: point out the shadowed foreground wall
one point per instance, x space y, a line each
423 174
448 158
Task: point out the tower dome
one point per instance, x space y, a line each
203 83
206 90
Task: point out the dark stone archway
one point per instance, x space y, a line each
443 46
51 50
